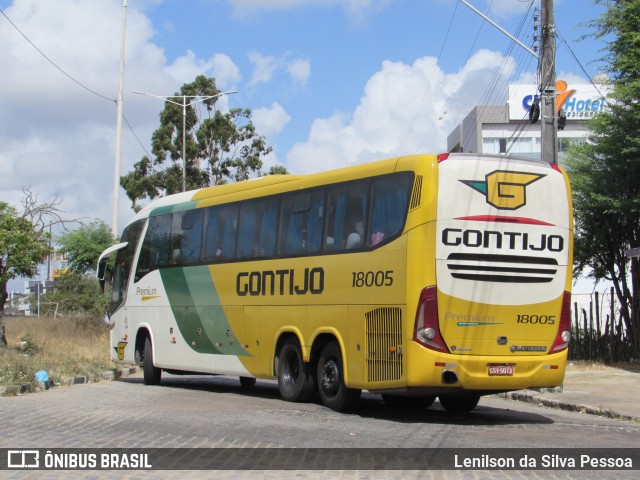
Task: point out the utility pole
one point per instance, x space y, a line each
116 173
547 70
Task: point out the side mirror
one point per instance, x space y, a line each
102 269
101 272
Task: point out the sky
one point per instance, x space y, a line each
330 83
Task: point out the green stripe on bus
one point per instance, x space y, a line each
196 308
180 207
212 316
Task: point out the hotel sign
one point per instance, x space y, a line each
579 101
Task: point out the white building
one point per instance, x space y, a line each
508 129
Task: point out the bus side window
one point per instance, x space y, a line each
155 246
222 225
315 221
291 236
347 208
268 228
247 230
301 223
186 237
389 200
124 264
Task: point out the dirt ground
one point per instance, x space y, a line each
585 365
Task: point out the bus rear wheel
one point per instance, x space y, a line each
151 373
454 404
296 381
333 392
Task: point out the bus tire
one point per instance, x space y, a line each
247 382
408 402
152 374
453 404
333 392
296 382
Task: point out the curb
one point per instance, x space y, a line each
535 399
42 386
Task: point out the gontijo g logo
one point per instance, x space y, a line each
503 189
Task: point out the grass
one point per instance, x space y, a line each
64 347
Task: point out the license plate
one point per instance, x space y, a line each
500 370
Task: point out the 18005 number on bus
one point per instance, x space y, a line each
372 279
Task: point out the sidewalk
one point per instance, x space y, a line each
593 389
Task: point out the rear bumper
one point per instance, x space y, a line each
426 368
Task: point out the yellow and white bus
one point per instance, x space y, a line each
415 277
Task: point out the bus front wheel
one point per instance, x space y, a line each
295 378
333 392
454 404
151 373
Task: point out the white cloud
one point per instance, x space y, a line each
57 137
300 71
356 9
399 113
187 67
270 121
506 8
266 67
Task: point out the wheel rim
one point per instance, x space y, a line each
330 377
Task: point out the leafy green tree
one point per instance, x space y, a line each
219 147
83 246
605 171
278 170
78 293
22 248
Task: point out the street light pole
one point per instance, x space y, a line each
184 104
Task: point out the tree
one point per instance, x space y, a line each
78 293
83 246
219 147
604 171
22 247
277 170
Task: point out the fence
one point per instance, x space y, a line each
598 333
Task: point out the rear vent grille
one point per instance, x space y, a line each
384 344
416 195
501 268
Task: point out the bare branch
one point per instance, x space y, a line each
45 214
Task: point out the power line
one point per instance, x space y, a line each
444 41
136 136
61 70
52 62
579 63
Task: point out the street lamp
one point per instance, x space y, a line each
184 104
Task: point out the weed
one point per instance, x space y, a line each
64 347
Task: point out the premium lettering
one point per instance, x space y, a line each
280 282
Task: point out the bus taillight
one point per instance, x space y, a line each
564 328
426 329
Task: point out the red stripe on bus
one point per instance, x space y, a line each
502 219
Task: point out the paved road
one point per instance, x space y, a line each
217 412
